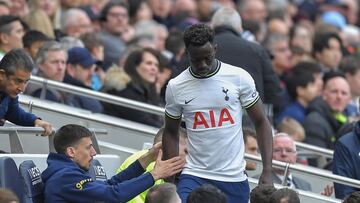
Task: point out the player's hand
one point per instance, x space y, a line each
47 127
265 178
167 168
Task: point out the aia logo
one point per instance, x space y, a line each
224 117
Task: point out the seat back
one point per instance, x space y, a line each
31 177
9 176
97 171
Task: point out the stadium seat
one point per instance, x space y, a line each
31 176
97 171
9 176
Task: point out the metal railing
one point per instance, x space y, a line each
306 170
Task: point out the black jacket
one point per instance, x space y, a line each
253 58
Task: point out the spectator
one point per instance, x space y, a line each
15 71
327 50
38 20
164 193
239 52
285 195
251 147
76 22
293 128
206 193
352 198
158 137
11 33
7 196
51 62
139 10
325 114
262 193
346 161
33 40
66 178
4 8
142 66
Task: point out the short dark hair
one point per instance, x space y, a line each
174 42
353 198
298 77
261 193
5 22
291 196
109 5
34 36
163 193
206 193
321 41
350 64
198 35
69 135
332 74
16 59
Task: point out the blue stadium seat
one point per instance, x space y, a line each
97 171
9 176
32 182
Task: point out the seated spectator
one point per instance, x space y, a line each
15 71
79 70
66 178
285 195
51 62
12 31
346 161
206 193
353 198
158 137
7 196
251 147
325 114
262 193
293 128
33 40
142 66
164 193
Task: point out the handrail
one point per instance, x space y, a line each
304 169
318 150
99 95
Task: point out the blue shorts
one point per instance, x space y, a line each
236 192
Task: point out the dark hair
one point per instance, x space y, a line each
310 66
16 59
350 64
69 135
174 42
7 196
247 132
332 74
5 22
353 198
298 77
291 196
33 36
261 193
198 35
163 193
206 193
321 41
109 5
134 6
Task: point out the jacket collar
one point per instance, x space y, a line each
224 28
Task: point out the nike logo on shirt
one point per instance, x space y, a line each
186 102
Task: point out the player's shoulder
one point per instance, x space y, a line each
185 75
233 70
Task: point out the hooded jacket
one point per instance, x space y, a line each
346 161
320 124
65 181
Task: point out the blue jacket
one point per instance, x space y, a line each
346 161
11 111
65 181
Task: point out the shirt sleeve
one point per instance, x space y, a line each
18 116
247 91
172 109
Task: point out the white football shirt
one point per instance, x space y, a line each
213 108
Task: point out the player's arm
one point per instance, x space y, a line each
170 140
264 139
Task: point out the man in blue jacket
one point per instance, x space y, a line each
66 178
346 161
15 71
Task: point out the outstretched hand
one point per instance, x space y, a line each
47 127
167 168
